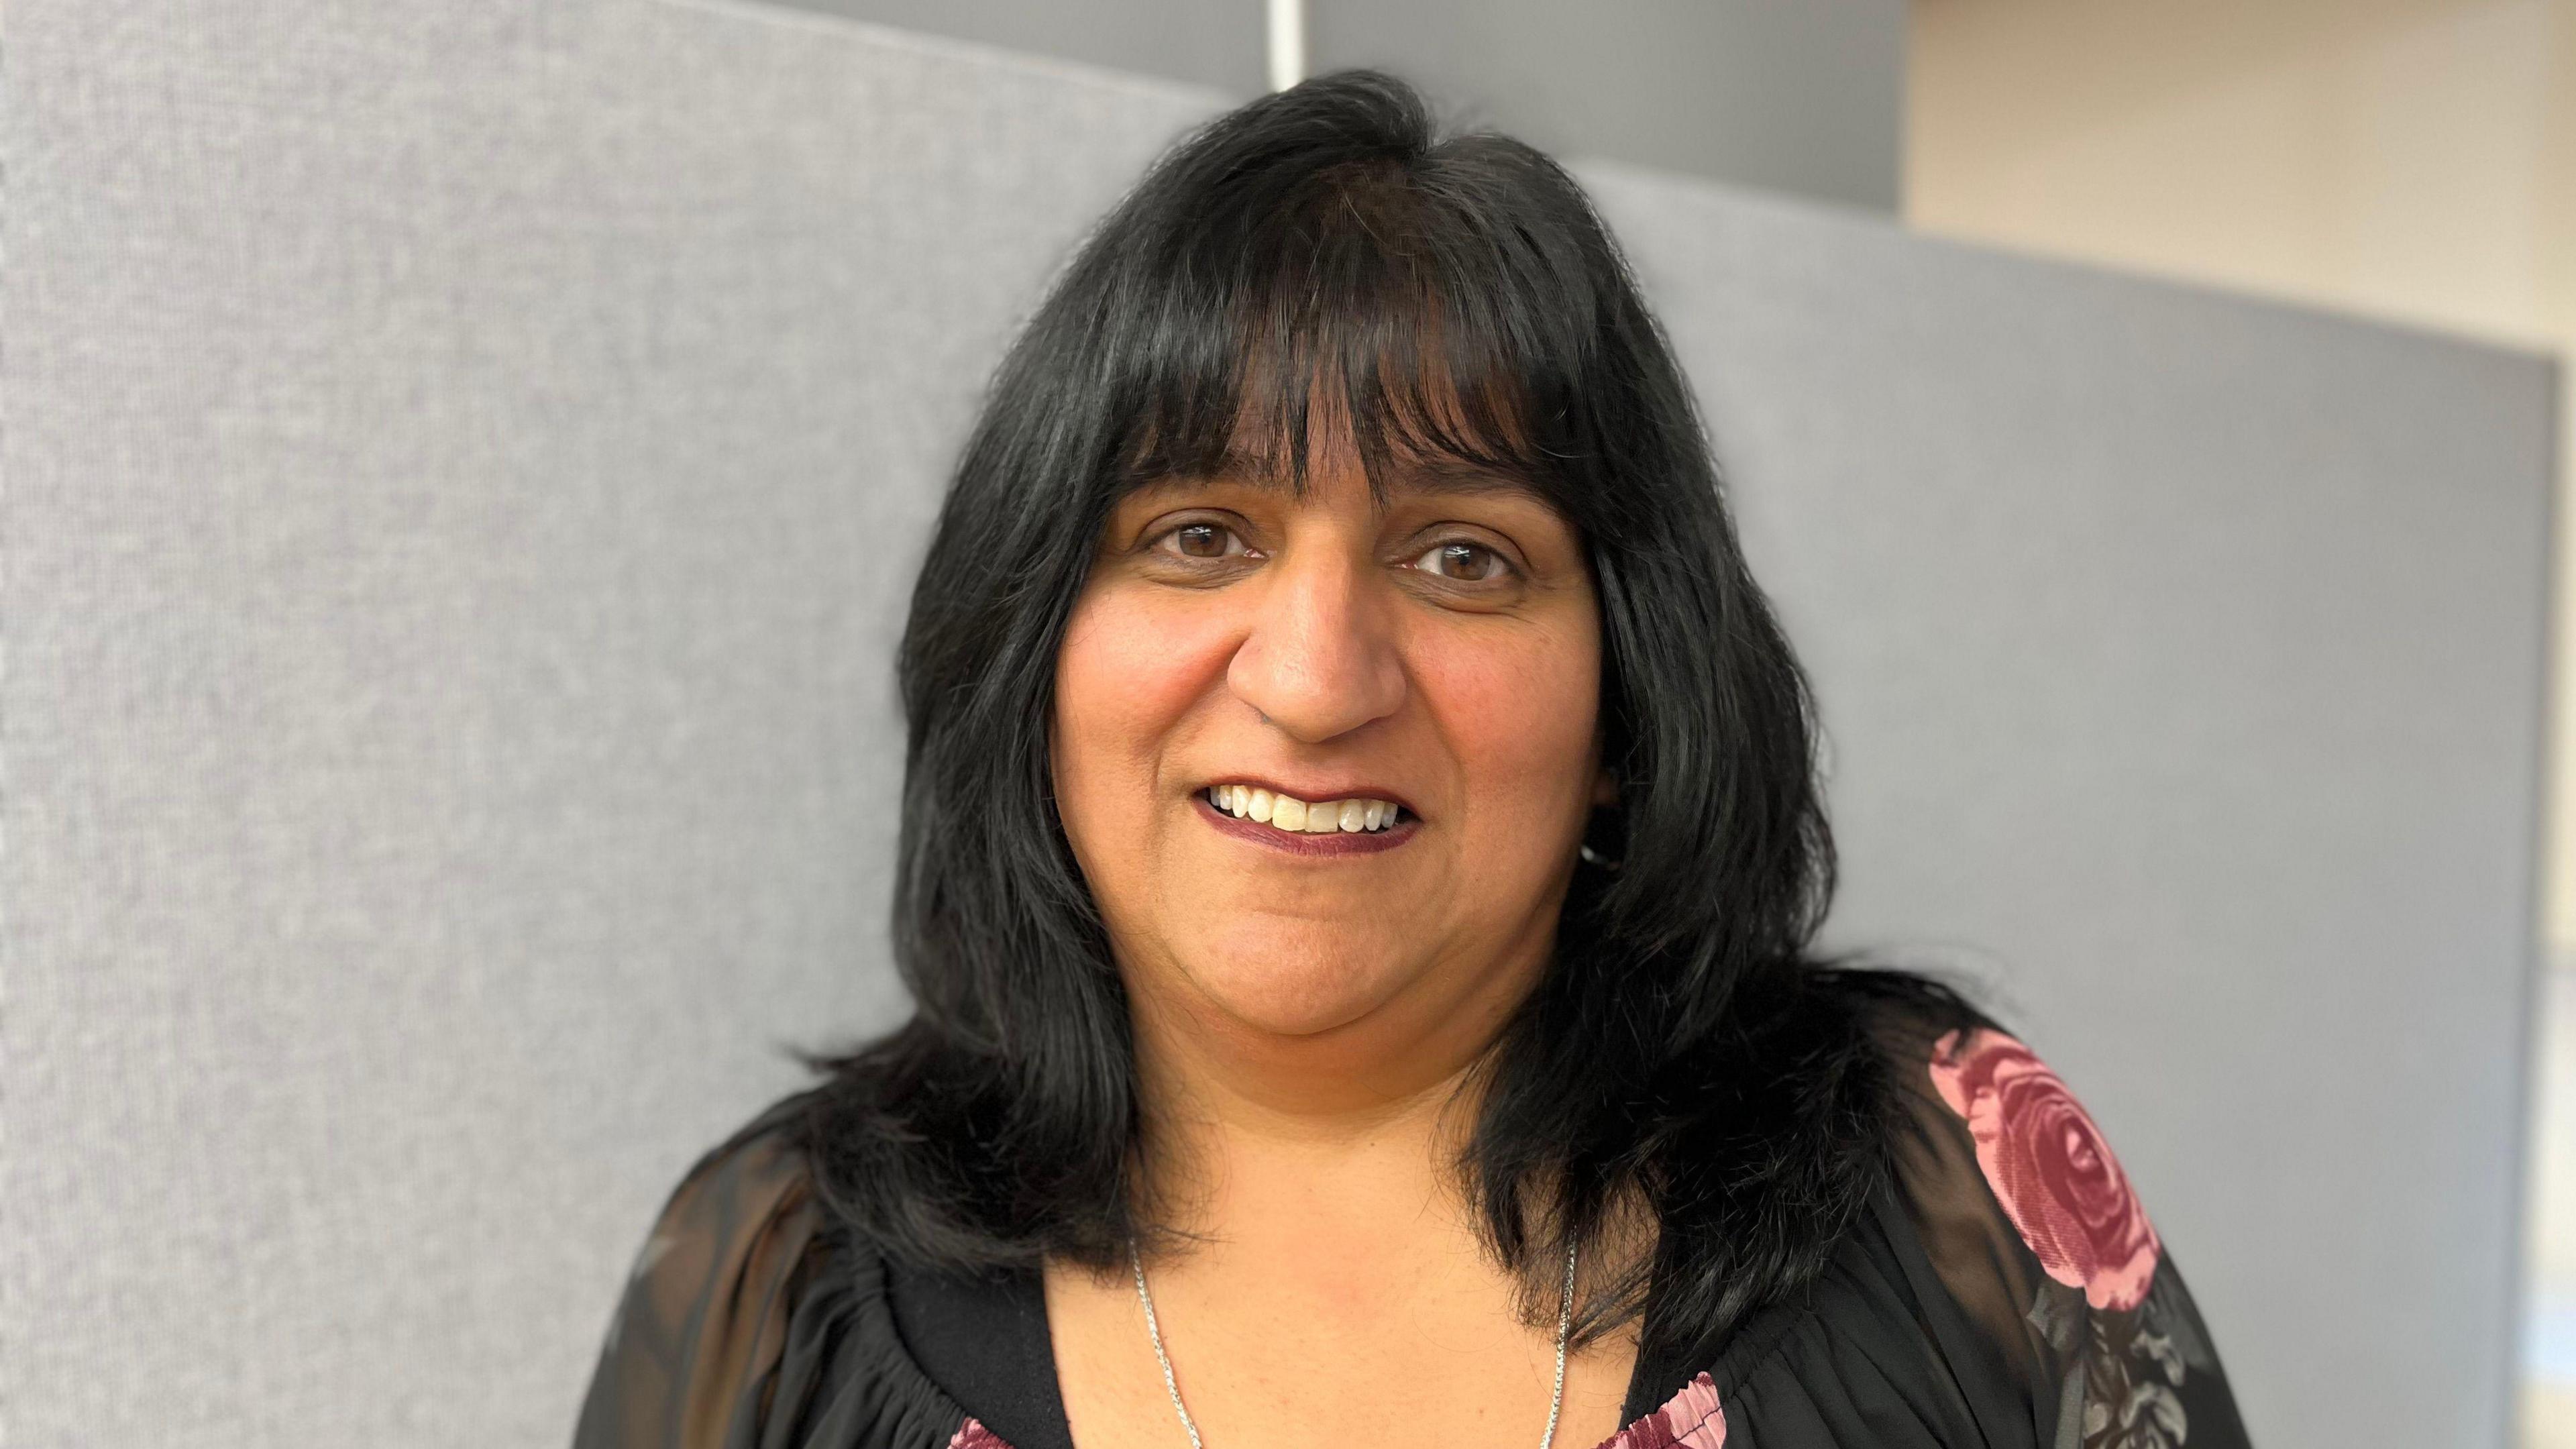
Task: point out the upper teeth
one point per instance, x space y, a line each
1287 812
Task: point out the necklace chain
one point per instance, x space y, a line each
1154 1328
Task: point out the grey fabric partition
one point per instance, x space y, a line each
461 469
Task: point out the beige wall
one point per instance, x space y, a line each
2410 159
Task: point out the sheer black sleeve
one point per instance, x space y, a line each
2034 1230
754 1320
692 1350
2007 1292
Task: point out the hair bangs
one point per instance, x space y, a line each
1359 322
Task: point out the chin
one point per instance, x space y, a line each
1299 983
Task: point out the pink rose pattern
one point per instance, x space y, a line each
1690 1419
2049 1167
2066 1195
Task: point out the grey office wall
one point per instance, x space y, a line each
1807 99
1219 44
461 468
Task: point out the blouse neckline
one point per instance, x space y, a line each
984 1341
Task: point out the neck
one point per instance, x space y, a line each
1314 1174
1348 1130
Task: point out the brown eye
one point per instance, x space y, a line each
1463 561
1201 540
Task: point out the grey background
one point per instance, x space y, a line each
1806 98
1221 45
462 469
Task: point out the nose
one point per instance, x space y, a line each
1320 660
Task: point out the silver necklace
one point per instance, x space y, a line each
1154 1327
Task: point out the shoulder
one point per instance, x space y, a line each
753 1316
1989 1135
733 1257
1997 1168
2004 1135
742 1213
752 1191
1984 1134
2005 1273
2042 1250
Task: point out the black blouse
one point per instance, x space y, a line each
2006 1290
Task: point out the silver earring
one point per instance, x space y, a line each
1583 846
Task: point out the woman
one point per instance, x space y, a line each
1360 846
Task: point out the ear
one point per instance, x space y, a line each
1605 788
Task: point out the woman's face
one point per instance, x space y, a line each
1441 656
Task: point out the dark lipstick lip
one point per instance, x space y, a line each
1338 843
1339 792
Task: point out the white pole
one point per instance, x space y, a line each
1287 43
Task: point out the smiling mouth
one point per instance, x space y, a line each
1321 828
1290 815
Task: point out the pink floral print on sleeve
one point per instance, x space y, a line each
2049 1166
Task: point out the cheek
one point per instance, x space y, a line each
1125 677
1520 715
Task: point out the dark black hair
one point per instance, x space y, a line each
1462 303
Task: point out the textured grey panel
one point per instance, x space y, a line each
1222 44
1806 98
2180 659
465 464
